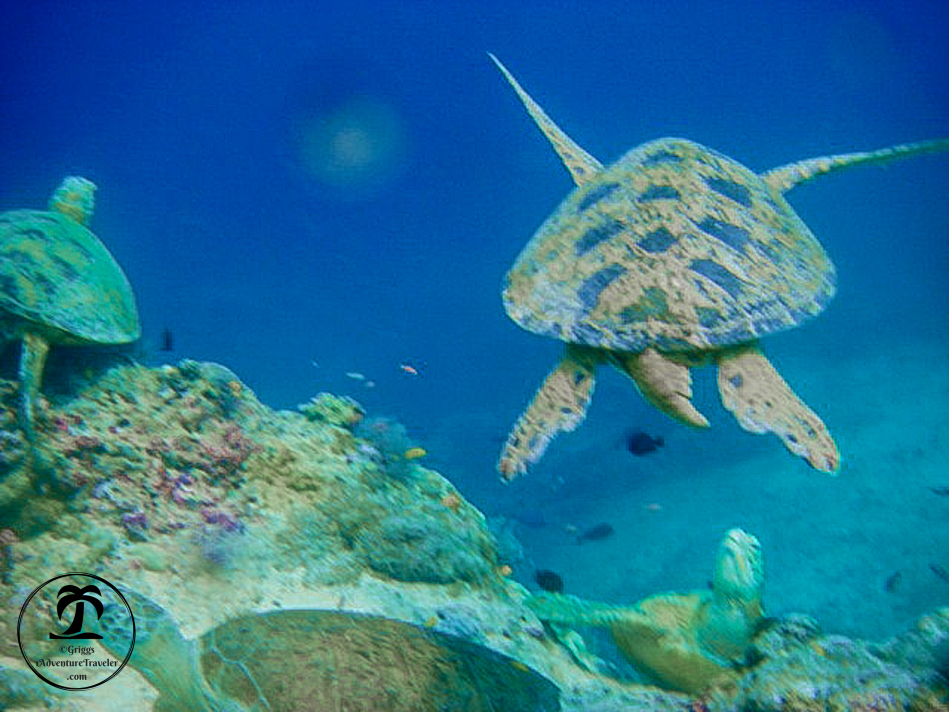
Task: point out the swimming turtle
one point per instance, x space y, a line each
673 257
684 641
59 285
320 660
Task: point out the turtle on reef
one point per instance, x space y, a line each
672 257
59 285
320 660
684 641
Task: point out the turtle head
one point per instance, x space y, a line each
735 606
74 198
739 571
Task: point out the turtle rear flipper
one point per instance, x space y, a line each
559 405
763 402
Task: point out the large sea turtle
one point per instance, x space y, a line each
673 257
684 641
320 660
59 285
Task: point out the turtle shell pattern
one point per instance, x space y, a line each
327 660
57 275
674 246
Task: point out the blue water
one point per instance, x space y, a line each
312 189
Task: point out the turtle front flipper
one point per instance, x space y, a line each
160 653
582 165
783 178
32 361
763 402
559 405
665 383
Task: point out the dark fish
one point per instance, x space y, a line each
941 491
549 580
940 571
167 341
640 443
599 531
892 582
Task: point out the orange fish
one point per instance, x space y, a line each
409 369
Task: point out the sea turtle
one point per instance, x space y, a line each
684 641
320 660
59 285
672 257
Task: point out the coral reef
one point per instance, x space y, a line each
341 411
388 443
177 482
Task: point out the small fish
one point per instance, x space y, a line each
409 369
414 453
940 571
431 621
941 491
167 340
548 580
355 375
892 582
640 443
596 532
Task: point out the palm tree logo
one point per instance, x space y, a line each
69 595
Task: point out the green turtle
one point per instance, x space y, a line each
684 641
673 257
319 660
59 285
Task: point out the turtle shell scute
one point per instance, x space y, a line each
674 246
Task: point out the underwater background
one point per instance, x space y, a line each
315 194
